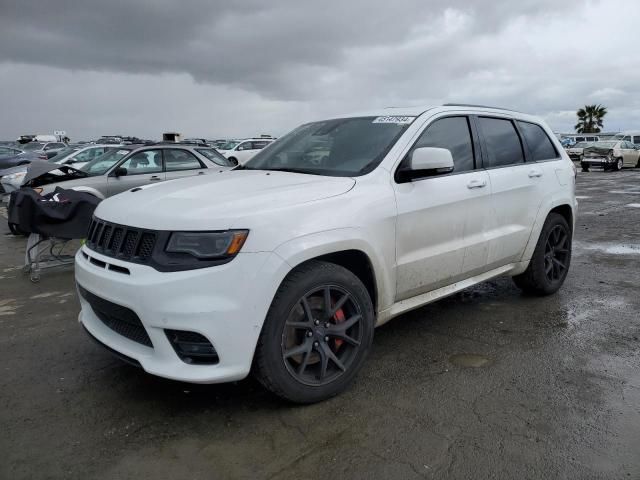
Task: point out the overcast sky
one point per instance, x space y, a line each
217 69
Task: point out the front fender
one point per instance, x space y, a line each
308 247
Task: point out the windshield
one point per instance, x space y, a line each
604 144
582 144
342 147
62 154
215 157
228 146
103 163
32 146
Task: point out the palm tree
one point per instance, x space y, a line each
590 119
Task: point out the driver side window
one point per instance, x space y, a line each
454 134
148 161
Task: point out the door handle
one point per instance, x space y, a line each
200 173
476 184
535 173
155 178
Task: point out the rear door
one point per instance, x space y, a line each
142 167
518 187
180 163
629 154
441 218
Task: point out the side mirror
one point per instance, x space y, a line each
426 161
120 172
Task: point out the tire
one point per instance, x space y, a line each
234 160
15 230
585 167
618 165
299 321
537 279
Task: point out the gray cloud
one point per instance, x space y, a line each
293 59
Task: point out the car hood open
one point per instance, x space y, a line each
221 200
39 173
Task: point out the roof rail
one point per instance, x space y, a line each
476 106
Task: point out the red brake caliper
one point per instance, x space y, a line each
339 318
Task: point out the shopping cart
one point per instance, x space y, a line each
53 222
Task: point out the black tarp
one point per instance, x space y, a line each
62 213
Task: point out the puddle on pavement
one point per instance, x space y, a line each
469 360
611 248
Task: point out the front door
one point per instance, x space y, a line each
142 168
440 223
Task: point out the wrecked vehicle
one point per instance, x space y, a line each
127 167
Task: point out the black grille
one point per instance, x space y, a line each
119 241
118 318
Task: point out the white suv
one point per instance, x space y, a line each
284 266
241 151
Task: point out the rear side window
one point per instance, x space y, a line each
540 147
502 141
636 140
180 160
453 134
215 157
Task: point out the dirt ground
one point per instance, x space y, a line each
488 383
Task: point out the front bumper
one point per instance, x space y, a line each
599 161
227 304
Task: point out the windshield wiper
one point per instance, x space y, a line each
291 170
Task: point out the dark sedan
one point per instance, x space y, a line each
12 157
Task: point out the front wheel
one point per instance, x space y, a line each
585 167
550 262
619 164
317 333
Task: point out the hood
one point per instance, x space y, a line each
44 173
218 201
597 150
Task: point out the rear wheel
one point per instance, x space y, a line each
15 230
317 333
233 160
549 265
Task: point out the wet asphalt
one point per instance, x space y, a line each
488 383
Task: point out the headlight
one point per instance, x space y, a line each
207 245
15 176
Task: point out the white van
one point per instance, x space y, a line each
632 136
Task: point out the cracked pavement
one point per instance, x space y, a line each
558 397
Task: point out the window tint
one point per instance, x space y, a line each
259 145
502 141
453 134
147 161
636 140
245 146
538 142
180 160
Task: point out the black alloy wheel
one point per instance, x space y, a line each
556 254
317 333
321 336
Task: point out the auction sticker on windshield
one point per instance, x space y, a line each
394 119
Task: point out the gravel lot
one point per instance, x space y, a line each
485 384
